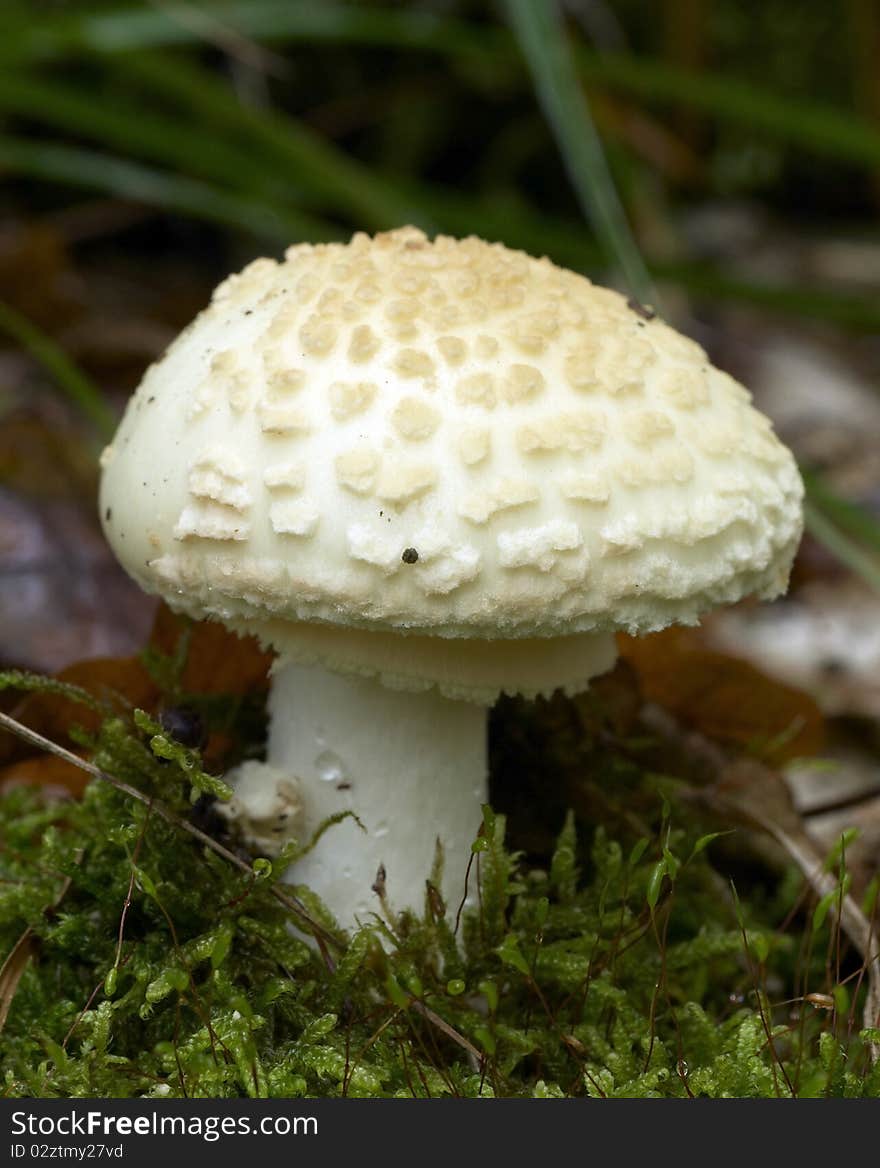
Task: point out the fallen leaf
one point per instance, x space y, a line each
57 777
218 661
122 682
724 698
825 640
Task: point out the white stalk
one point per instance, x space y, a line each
411 766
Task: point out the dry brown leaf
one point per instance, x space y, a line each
723 697
218 661
121 680
12 970
54 775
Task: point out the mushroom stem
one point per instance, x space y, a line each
411 766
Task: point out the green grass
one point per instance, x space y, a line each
255 168
488 51
80 390
542 39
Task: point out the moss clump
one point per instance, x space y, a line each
146 964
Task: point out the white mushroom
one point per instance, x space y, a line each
428 473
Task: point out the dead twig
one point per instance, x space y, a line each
750 793
323 937
441 1024
12 970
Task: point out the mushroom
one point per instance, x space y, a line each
428 473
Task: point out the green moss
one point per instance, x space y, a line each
606 967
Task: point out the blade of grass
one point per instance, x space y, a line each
125 30
373 199
823 129
77 387
541 37
490 52
302 158
137 131
449 210
127 180
848 516
156 137
361 190
858 312
310 160
850 553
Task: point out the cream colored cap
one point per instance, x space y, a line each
443 438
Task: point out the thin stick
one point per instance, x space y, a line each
293 904
450 1031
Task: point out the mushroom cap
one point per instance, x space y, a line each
448 439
